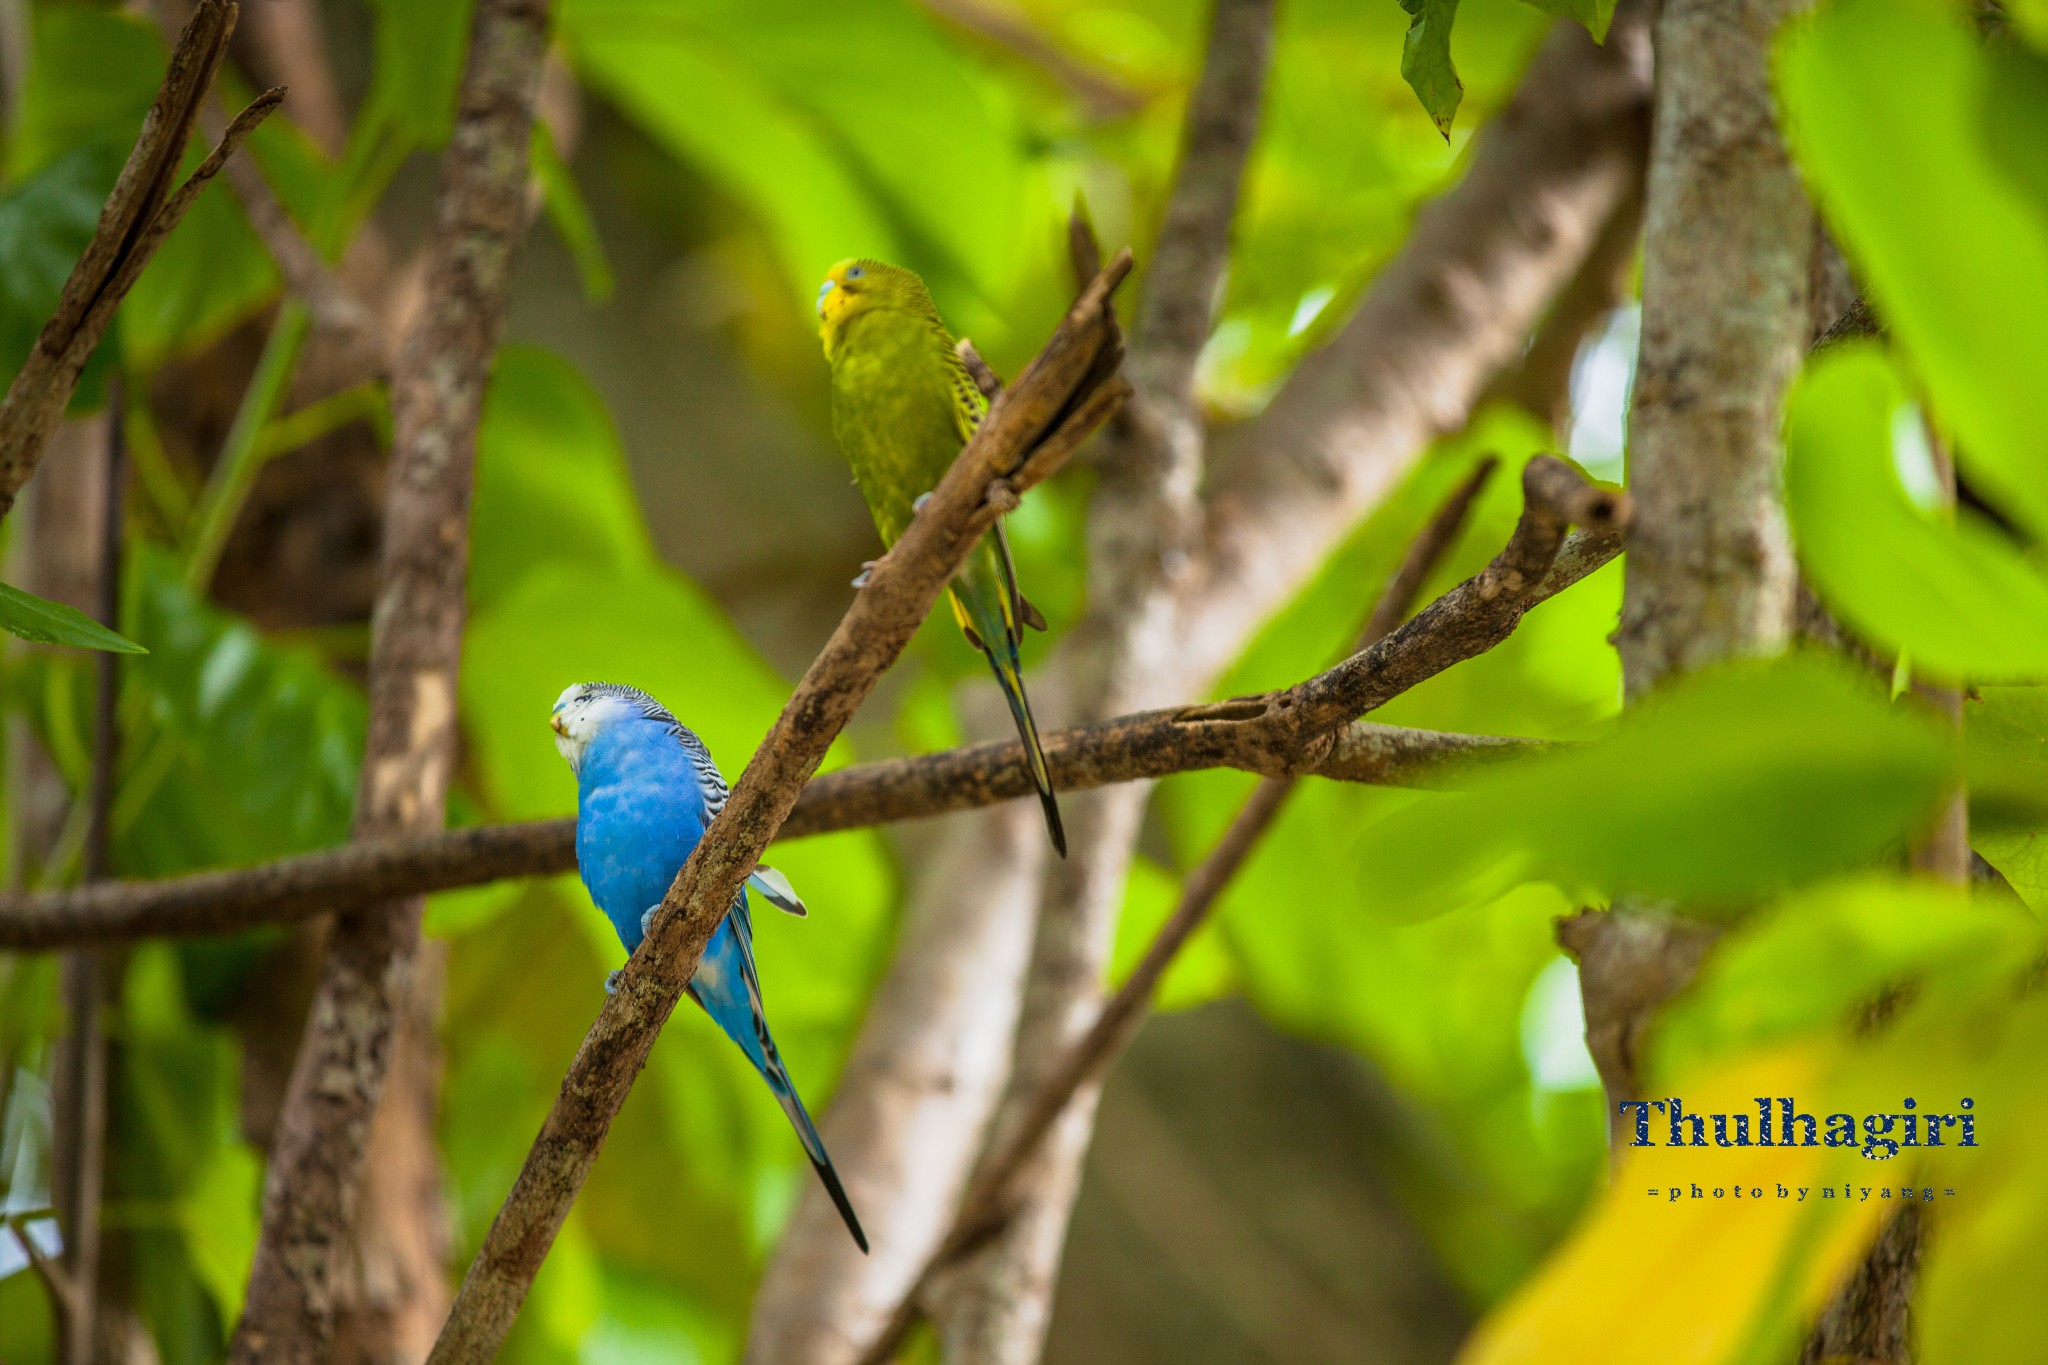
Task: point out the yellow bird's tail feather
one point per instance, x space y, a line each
988 628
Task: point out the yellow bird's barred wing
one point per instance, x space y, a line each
969 404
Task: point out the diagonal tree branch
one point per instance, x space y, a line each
146 203
1064 394
316 1165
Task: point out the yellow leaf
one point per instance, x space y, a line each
1691 1280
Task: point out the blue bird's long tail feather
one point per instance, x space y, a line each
729 989
814 1146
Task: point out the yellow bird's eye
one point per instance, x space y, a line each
854 272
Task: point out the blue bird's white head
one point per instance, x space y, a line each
586 710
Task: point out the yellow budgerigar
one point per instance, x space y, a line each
902 406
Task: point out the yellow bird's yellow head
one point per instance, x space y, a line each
858 286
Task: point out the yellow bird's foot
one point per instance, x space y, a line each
922 499
867 571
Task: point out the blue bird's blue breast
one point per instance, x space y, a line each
640 810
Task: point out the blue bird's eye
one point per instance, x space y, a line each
854 272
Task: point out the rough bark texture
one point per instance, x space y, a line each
1142 528
1869 1321
1443 317
1728 246
396 1292
316 1168
1059 400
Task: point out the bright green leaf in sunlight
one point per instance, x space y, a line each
1979 1296
1596 15
1200 972
1958 598
2005 731
552 484
52 623
219 1222
1809 964
853 129
1426 60
571 215
253 750
2032 18
1923 144
1730 785
93 73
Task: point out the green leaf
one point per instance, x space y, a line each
45 222
1201 971
53 623
779 101
420 49
91 78
2005 730
252 750
1810 963
1957 598
1731 785
1426 60
1976 1300
552 485
571 215
1923 147
1596 15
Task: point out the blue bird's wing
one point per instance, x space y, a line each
729 989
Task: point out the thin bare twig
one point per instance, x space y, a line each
1049 405
990 1198
316 1165
145 205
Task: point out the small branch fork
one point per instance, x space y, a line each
145 205
1069 390
1254 734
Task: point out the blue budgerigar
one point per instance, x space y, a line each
646 789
